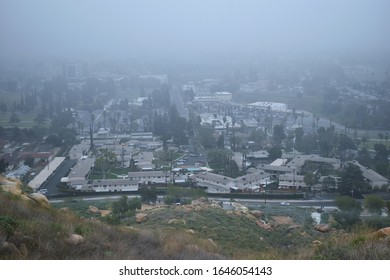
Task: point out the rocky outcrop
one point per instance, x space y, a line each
257 213
141 217
264 225
93 210
177 221
322 228
382 233
240 208
199 201
317 243
75 240
40 199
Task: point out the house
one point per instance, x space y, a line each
258 155
105 185
45 173
375 180
82 169
327 183
310 163
275 171
251 181
150 177
215 183
291 182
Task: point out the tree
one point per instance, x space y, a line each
206 138
40 118
220 141
124 207
148 194
381 152
352 181
14 118
374 204
105 160
349 213
3 165
275 152
3 107
346 203
183 195
119 208
310 179
134 204
29 161
54 140
278 134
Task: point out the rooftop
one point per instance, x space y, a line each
45 173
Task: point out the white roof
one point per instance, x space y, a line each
45 173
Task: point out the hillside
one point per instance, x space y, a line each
30 228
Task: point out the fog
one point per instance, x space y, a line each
191 28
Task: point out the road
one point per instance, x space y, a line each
254 203
251 203
62 171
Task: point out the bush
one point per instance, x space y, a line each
347 218
374 204
346 203
8 225
377 222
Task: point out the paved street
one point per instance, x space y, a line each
62 171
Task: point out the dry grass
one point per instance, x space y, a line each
29 231
42 234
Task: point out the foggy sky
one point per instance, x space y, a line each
191 27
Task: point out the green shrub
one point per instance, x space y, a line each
8 225
377 222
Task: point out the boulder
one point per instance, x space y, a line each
11 186
93 210
215 205
40 199
264 225
322 228
317 243
199 201
74 240
8 250
211 243
240 208
105 213
64 209
257 213
382 233
177 221
141 217
191 231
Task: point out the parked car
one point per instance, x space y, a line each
42 191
